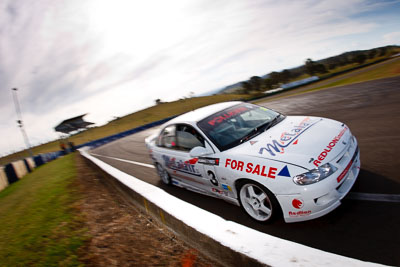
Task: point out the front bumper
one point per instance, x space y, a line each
321 198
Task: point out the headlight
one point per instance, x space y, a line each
315 175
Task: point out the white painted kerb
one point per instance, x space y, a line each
265 248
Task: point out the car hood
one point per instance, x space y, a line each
307 142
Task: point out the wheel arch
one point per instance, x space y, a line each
168 180
241 181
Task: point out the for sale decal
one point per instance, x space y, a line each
251 168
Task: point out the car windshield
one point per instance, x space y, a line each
238 124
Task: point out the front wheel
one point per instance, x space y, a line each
165 178
258 202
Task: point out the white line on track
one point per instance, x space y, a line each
373 197
351 195
125 160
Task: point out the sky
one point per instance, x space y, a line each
111 58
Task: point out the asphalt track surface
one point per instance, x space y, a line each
368 230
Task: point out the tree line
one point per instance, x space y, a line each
311 68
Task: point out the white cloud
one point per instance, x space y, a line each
392 38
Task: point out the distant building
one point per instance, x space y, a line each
72 124
300 82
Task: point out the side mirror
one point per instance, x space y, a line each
199 151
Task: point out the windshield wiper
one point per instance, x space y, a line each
250 135
271 123
258 130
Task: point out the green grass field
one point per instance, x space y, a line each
39 222
384 71
379 71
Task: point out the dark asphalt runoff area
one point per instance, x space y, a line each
368 230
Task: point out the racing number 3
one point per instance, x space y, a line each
213 180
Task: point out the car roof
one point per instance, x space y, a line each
197 115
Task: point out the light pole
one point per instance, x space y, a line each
19 121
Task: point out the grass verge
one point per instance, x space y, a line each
388 70
384 70
39 220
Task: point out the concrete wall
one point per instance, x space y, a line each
31 163
20 168
10 173
3 179
14 171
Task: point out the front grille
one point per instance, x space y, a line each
348 169
342 161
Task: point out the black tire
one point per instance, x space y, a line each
164 175
258 202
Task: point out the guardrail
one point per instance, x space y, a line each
108 139
14 171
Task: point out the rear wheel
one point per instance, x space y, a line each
258 202
165 178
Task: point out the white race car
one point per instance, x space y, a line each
259 159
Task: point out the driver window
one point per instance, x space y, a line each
188 137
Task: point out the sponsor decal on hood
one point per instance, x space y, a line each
298 140
287 137
329 147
